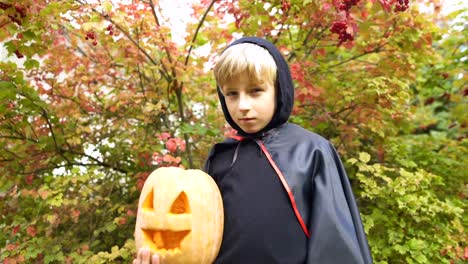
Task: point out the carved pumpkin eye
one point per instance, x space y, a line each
180 216
181 205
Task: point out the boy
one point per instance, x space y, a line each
286 195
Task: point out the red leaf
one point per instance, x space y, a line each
29 179
9 261
157 157
140 182
164 136
11 247
386 5
168 158
44 194
31 230
429 101
322 52
180 143
171 145
130 212
15 229
364 14
75 213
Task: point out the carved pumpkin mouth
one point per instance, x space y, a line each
165 241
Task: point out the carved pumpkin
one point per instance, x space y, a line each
180 216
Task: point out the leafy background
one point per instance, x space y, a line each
95 95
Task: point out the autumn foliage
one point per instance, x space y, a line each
95 95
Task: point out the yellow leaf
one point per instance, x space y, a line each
364 157
107 6
92 26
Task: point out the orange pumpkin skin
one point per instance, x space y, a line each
180 216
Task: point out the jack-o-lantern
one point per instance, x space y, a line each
180 216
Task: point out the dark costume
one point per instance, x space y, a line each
286 196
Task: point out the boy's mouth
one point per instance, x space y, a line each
246 119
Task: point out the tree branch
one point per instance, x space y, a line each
44 113
169 57
67 165
197 30
179 89
376 50
98 162
20 138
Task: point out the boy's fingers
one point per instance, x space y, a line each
155 259
135 261
145 255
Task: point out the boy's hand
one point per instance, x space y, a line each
144 257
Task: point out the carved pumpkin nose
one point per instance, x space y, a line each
167 241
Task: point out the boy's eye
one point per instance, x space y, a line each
230 93
256 90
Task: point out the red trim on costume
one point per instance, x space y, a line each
286 186
237 137
283 181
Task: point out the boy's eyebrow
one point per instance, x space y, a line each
228 88
251 84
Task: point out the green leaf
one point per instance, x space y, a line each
401 249
5 186
110 227
416 244
56 200
29 35
421 258
31 63
364 157
7 90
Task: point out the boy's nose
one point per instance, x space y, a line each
244 103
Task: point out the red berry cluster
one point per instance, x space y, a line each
339 27
4 6
285 5
347 4
18 54
110 28
20 10
401 5
91 35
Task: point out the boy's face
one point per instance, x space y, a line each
251 105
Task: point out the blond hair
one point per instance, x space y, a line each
245 57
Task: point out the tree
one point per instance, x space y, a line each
100 96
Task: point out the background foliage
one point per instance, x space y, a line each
95 95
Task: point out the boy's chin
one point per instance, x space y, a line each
250 130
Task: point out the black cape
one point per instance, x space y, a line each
286 195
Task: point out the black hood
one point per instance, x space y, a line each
284 88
